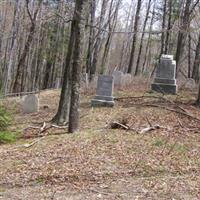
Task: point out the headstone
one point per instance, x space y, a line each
104 93
127 79
165 80
121 79
30 103
118 78
190 84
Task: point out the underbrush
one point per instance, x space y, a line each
5 121
7 137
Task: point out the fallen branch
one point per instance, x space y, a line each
155 97
151 128
117 125
170 109
31 127
136 97
123 124
44 128
28 145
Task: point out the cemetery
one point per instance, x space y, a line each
99 100
110 119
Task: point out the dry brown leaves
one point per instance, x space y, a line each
165 163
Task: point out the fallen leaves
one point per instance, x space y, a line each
162 162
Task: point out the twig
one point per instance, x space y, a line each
34 142
180 123
172 147
99 192
134 97
148 121
117 125
31 127
151 128
169 109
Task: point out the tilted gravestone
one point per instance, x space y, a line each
165 80
104 93
30 104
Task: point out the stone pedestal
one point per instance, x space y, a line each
165 81
104 94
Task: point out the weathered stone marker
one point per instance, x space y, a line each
165 80
121 79
118 76
30 103
104 93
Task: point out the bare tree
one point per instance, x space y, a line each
142 38
196 65
68 109
18 83
135 32
182 34
79 24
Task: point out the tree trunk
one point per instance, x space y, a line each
189 56
142 38
182 34
148 40
79 25
62 115
98 41
198 97
91 36
112 21
163 28
196 65
137 18
15 25
68 109
18 83
166 51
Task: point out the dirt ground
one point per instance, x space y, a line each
103 163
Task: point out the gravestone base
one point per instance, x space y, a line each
164 88
102 101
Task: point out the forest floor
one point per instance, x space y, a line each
103 163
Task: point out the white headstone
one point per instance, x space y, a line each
127 79
121 79
118 76
30 104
